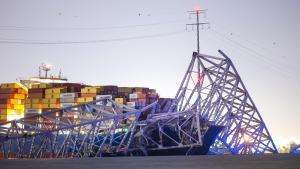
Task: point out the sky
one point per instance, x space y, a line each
147 43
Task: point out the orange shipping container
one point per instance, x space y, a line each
88 95
6 106
11 101
12 96
141 100
22 91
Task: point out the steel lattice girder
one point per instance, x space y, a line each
96 130
296 150
213 87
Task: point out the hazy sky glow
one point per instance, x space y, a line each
145 43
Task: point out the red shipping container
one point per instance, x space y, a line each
6 96
36 90
6 106
8 91
36 95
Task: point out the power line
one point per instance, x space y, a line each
278 68
31 28
45 42
253 43
247 48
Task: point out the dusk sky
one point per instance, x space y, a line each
146 43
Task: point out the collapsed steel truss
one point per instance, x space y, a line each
90 129
213 87
296 150
211 94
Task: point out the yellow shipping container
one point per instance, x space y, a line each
52 96
131 117
14 101
81 99
49 101
48 91
44 85
35 86
89 90
54 106
89 99
33 106
11 111
84 99
10 85
36 100
45 106
56 90
18 106
119 100
33 101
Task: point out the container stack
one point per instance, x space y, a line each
152 96
43 98
35 100
109 90
123 94
138 98
48 97
12 98
88 94
68 99
52 98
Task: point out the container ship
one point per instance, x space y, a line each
29 98
47 93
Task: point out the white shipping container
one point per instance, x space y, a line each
67 95
131 104
106 103
64 105
33 111
98 97
67 100
133 96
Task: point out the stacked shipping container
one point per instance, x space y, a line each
48 97
12 96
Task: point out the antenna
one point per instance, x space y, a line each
197 12
59 74
46 68
40 71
